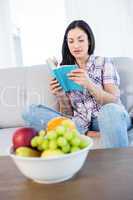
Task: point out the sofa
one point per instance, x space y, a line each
23 86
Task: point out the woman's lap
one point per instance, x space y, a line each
112 121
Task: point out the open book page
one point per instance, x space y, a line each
52 65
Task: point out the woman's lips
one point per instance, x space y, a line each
77 51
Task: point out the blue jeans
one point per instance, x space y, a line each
37 116
113 122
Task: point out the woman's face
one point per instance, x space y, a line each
78 43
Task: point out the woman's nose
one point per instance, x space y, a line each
76 44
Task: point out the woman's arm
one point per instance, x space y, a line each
62 98
109 93
110 81
65 105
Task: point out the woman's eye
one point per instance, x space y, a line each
70 42
81 40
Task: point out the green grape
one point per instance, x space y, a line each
75 132
52 145
42 133
65 125
60 130
45 144
34 142
66 149
68 136
40 140
83 144
51 135
75 141
74 149
61 141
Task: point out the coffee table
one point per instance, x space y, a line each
106 175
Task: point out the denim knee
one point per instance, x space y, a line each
37 116
112 110
113 122
30 118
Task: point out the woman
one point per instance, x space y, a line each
97 110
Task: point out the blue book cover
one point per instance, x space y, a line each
60 73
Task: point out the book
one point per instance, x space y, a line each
60 73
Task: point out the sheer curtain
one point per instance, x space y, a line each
6 47
41 25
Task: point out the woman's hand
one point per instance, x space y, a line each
79 76
56 88
93 134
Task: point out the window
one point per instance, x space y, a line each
41 26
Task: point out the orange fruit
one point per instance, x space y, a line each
53 123
57 121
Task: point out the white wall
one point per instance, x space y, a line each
130 24
6 46
42 25
110 21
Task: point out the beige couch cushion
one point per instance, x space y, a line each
37 86
20 87
12 90
125 69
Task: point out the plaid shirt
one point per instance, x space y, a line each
101 71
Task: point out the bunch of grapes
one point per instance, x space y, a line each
61 140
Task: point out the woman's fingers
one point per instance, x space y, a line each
76 73
53 81
55 86
77 79
93 134
57 91
79 70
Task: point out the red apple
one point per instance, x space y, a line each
23 136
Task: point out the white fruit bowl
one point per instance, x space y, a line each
52 169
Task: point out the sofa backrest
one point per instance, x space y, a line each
124 67
20 87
